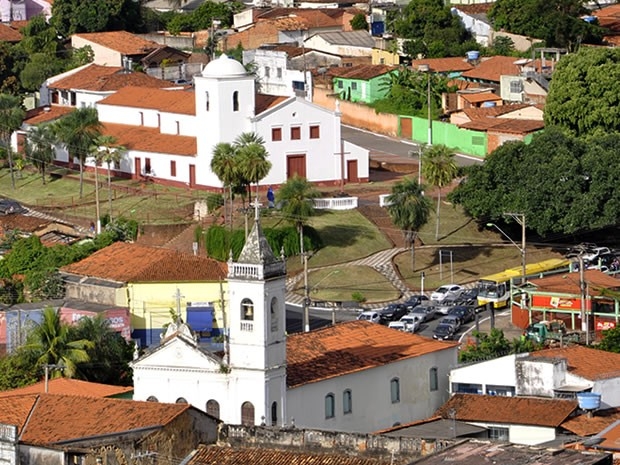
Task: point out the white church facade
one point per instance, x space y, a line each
355 376
170 134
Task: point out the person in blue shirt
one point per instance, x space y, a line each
271 197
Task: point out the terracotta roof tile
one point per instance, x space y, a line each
592 364
120 41
209 455
263 102
443 65
611 439
46 114
568 283
125 262
107 78
8 34
73 387
474 9
505 125
480 97
491 112
22 23
22 223
509 410
585 425
490 69
15 410
169 101
609 17
147 139
312 17
350 347
53 417
363 72
290 50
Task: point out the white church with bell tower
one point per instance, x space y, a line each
247 383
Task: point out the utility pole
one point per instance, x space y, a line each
47 368
225 325
177 297
520 218
582 289
306 295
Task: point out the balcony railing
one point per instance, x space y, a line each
336 203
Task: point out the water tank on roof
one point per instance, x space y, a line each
589 400
488 104
472 55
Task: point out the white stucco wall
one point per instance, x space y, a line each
523 434
372 407
101 55
480 29
497 372
609 390
318 43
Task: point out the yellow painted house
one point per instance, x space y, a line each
152 282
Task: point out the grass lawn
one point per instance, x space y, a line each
339 283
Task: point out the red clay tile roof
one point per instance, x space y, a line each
264 102
124 262
490 69
53 417
611 439
490 112
592 364
121 41
8 34
363 72
211 455
46 114
146 139
22 223
15 410
290 50
504 125
72 387
474 9
443 65
585 425
311 17
509 410
351 347
568 283
22 23
107 78
168 101
609 17
480 97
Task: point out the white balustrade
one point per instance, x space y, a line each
336 203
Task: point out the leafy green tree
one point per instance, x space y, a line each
439 170
252 157
584 97
18 370
78 131
409 210
11 117
39 147
503 45
296 196
8 62
109 355
557 22
51 341
611 340
359 23
44 284
493 345
73 16
224 165
108 151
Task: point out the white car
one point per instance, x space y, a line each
412 322
373 317
447 290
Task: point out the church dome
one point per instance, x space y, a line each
224 66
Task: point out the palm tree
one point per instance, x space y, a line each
296 196
51 341
252 158
78 131
409 210
439 169
109 152
11 118
224 165
246 138
39 147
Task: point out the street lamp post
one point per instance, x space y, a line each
520 218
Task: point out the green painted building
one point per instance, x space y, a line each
361 83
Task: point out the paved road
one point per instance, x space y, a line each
383 145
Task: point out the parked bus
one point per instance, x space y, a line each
495 288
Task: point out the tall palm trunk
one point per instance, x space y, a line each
438 205
110 190
9 152
300 228
81 178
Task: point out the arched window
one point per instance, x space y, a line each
213 408
347 401
207 101
274 314
274 413
152 399
236 100
330 406
181 400
247 414
433 380
247 309
395 390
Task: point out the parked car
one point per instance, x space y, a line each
452 320
415 300
444 332
463 313
412 322
469 297
392 312
371 316
446 304
398 325
448 290
591 256
425 312
9 207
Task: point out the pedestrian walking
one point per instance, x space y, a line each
271 198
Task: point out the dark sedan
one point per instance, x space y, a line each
465 314
393 312
444 332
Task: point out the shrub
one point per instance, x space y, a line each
214 201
